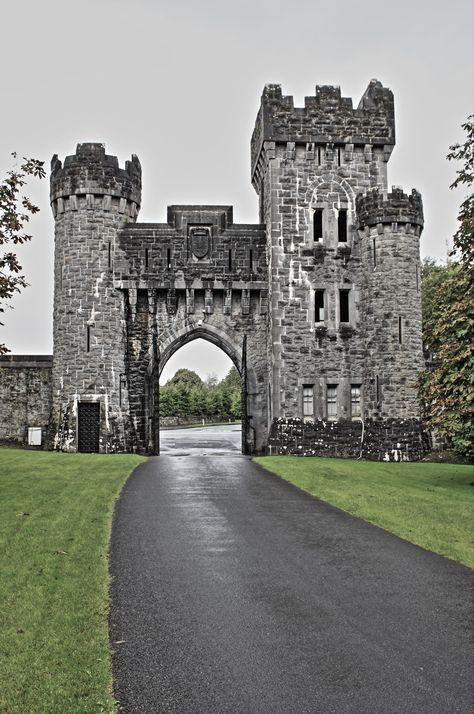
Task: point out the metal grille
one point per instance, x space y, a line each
88 414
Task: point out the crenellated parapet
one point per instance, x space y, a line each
90 174
377 208
326 118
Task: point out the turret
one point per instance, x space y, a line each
92 198
389 226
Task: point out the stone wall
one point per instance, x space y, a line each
375 439
25 397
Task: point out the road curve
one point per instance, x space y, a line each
233 591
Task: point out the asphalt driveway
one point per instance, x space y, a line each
234 592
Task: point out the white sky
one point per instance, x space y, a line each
179 82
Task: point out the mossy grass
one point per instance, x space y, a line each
429 504
55 521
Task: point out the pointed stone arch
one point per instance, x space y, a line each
173 340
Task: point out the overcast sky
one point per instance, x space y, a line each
178 82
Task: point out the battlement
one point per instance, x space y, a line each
396 207
91 171
326 117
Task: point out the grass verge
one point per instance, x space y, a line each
55 519
429 504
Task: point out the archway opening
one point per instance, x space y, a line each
200 396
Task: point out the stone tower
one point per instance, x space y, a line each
92 200
344 275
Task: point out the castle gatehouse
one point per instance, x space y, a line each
318 304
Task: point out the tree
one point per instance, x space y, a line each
463 240
186 376
447 390
15 211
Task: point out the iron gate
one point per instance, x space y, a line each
88 416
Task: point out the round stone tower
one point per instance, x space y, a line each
389 226
92 199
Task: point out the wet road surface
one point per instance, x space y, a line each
205 441
235 592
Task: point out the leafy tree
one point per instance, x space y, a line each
236 406
463 240
15 211
187 396
186 376
447 390
232 379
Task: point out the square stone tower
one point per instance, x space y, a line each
344 344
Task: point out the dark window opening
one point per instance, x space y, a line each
400 336
374 251
318 224
88 338
168 259
147 252
319 155
109 255
342 225
251 260
230 260
319 305
377 388
338 154
343 305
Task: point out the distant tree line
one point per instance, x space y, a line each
187 396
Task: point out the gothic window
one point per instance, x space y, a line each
331 401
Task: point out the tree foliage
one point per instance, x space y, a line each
186 396
447 389
15 211
463 241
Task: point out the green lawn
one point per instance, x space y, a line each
425 503
54 654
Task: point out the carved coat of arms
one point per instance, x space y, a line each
200 241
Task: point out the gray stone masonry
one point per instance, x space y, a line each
25 397
318 304
343 257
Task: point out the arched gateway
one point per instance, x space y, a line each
318 305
